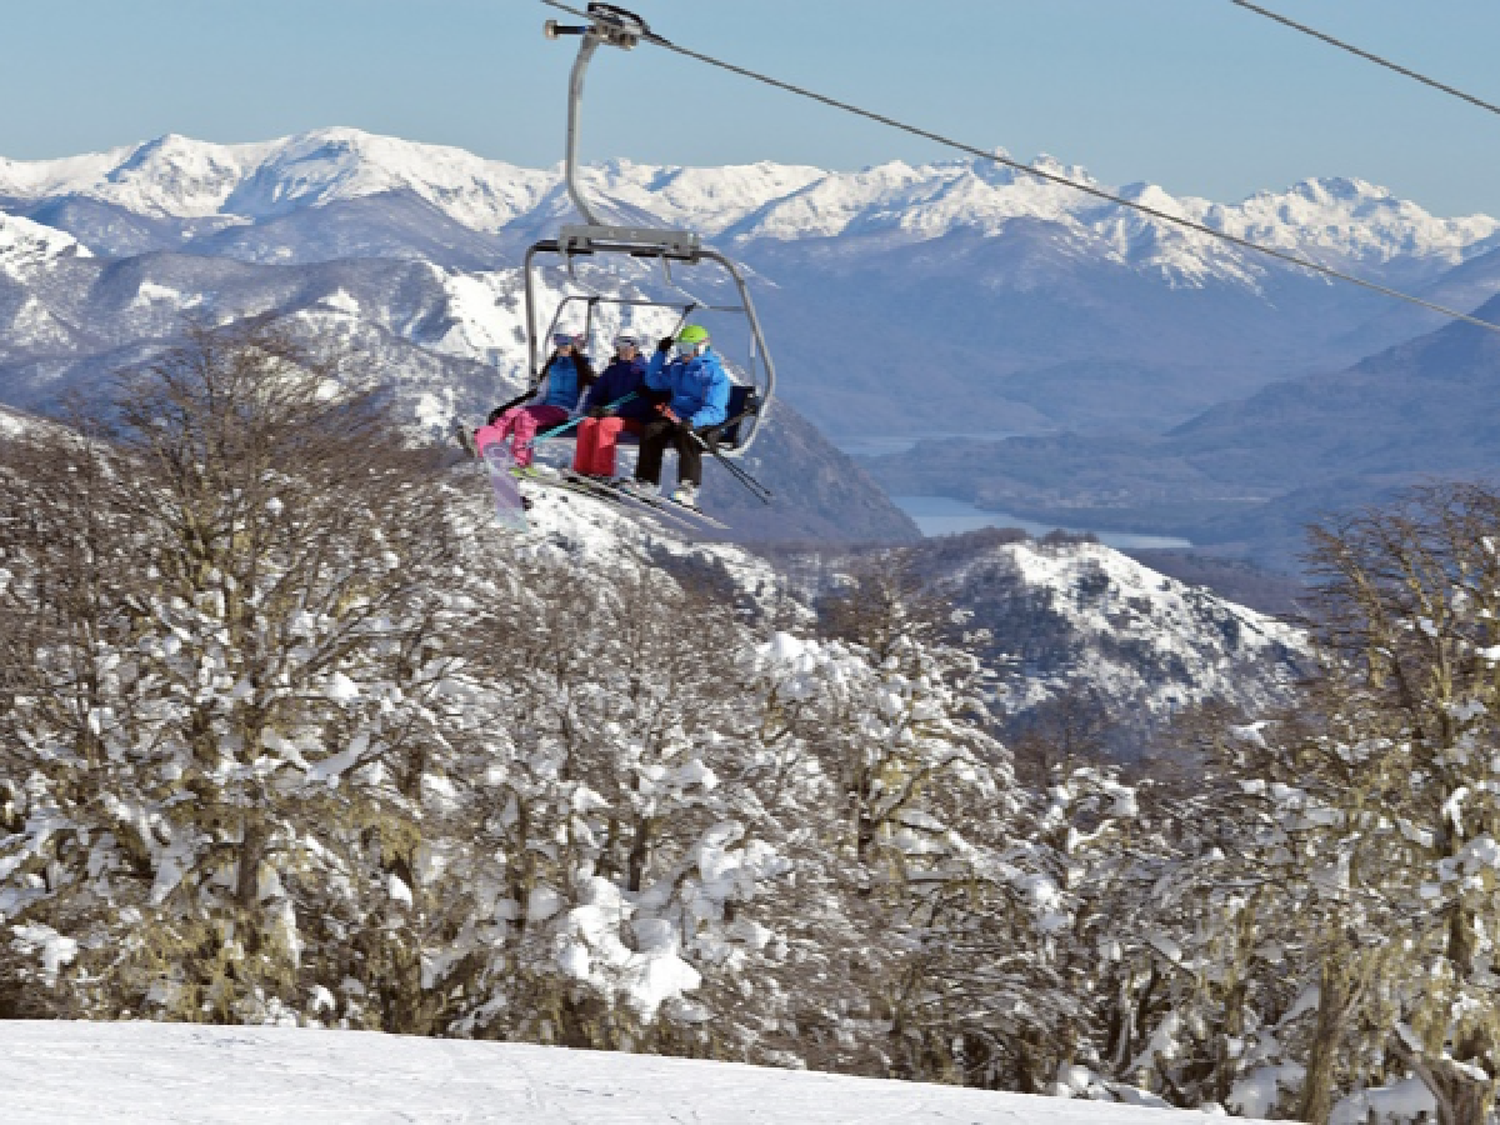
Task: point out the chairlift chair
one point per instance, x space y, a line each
672 252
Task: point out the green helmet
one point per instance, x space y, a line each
693 334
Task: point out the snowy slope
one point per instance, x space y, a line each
1084 616
32 257
58 1072
25 244
596 533
13 422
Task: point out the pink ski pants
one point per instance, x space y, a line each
521 424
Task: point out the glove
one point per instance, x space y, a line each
666 412
599 412
666 343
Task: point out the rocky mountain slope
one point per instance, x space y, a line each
1084 626
1084 634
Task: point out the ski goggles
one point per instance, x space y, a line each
564 340
626 341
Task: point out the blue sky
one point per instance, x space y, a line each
1199 96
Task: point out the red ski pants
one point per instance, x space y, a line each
597 439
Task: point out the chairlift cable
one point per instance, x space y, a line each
1374 58
1021 166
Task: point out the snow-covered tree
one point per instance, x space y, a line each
1375 809
960 913
223 657
611 857
1412 601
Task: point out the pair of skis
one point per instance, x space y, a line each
499 462
681 514
500 469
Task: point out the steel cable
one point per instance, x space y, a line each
1353 50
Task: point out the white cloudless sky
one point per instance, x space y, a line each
1199 96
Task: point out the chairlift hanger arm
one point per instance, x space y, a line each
610 25
617 26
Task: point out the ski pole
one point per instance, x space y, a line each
756 489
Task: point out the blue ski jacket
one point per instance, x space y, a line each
563 381
618 380
699 387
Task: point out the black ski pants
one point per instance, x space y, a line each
658 435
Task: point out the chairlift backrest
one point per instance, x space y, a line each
743 404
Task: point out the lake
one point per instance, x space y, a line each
943 515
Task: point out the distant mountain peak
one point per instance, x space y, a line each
177 177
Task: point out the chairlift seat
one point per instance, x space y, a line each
743 403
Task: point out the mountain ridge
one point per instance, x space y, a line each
180 177
1246 476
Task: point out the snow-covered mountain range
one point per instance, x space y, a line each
214 187
900 300
926 283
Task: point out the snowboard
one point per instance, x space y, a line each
510 508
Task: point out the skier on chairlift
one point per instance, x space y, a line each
566 375
606 416
698 397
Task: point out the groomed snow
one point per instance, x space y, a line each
60 1072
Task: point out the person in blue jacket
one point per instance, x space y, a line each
697 396
604 421
566 375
